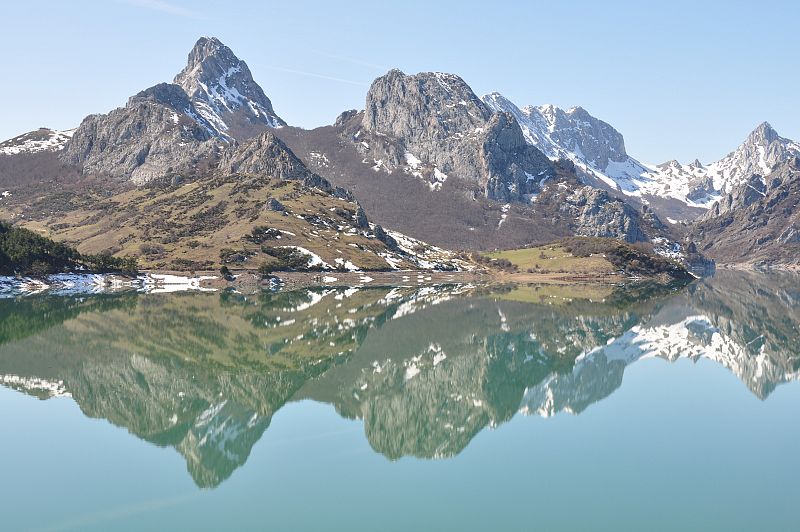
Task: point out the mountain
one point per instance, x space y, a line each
757 222
43 139
163 179
179 127
433 126
573 134
261 200
223 91
707 185
159 131
673 189
428 157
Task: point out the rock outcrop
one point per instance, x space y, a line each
158 132
598 214
435 127
269 156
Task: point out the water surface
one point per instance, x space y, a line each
437 408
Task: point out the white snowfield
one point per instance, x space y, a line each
219 98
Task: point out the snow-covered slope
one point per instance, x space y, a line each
761 151
598 150
42 139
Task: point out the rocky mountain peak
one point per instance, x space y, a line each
760 152
433 122
440 104
222 88
762 135
208 50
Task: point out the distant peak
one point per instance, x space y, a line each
672 163
395 72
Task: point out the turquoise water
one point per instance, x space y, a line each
433 409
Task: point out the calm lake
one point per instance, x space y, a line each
420 408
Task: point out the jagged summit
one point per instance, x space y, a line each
594 146
438 128
598 150
760 152
764 133
222 88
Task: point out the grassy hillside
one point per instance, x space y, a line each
595 257
554 259
241 221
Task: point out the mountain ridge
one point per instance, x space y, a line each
426 155
561 133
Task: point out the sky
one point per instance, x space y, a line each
679 79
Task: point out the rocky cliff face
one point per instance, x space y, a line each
158 132
268 155
597 214
434 126
595 148
560 133
222 89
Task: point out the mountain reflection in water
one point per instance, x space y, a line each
426 369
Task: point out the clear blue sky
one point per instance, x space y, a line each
678 79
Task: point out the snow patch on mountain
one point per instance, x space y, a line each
598 151
220 85
36 141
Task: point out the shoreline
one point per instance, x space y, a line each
249 281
